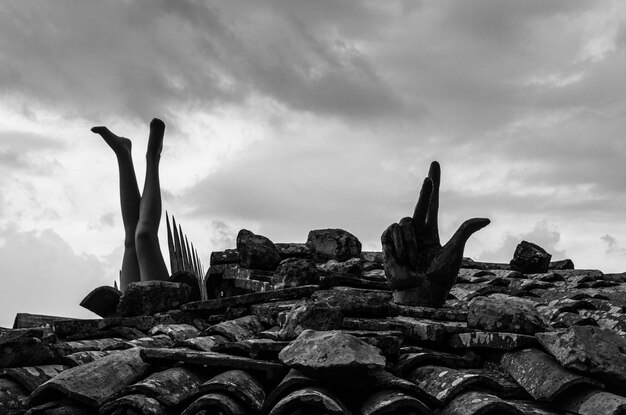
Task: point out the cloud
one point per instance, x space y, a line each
43 275
612 245
542 234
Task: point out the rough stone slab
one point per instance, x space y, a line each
505 314
81 358
252 298
267 313
203 343
176 332
357 302
567 319
160 340
170 387
295 272
607 320
255 348
215 403
212 359
13 397
256 251
236 330
588 349
293 381
492 340
25 347
443 313
379 380
465 292
240 273
540 375
31 377
66 328
138 404
590 274
444 383
292 250
595 402
337 244
425 330
534 408
346 280
315 399
393 402
102 301
372 256
388 342
310 314
65 348
29 321
426 357
331 355
94 382
149 297
478 403
229 256
239 384
63 407
374 324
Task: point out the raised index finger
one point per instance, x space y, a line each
423 203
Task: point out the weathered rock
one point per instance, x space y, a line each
313 315
477 403
256 251
102 301
352 266
588 349
215 360
492 340
331 355
239 384
252 298
170 387
149 297
444 383
293 381
215 403
65 348
25 347
316 400
203 343
229 256
266 349
133 404
94 382
81 358
392 402
295 272
31 377
292 250
186 277
595 402
13 397
562 264
354 281
530 258
160 340
443 313
239 329
337 244
30 321
358 302
177 332
541 375
430 331
505 314
413 357
267 313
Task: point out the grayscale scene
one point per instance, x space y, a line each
312 207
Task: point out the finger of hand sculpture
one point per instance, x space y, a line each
419 269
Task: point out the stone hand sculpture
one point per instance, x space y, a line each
421 271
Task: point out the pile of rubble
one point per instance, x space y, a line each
312 329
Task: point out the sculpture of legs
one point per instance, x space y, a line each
141 215
151 263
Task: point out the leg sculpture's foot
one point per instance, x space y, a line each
155 141
120 145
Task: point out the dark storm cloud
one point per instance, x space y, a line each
140 58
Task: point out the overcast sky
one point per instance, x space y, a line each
287 116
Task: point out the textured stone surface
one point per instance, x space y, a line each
94 382
239 384
133 404
256 251
25 347
170 386
313 315
492 340
530 258
589 349
352 266
337 244
505 314
392 402
540 375
149 297
331 355
358 302
595 402
479 403
294 272
239 329
314 400
176 332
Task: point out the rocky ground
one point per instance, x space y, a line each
312 329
